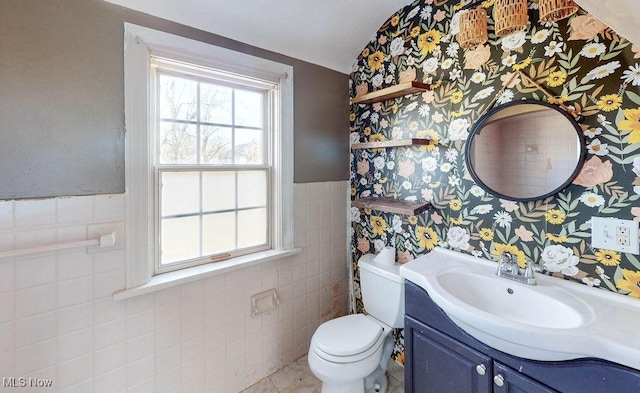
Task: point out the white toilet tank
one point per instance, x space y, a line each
382 291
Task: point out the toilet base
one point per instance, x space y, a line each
352 387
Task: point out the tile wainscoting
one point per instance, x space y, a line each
58 320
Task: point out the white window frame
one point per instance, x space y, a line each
141 243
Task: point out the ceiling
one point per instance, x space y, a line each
330 33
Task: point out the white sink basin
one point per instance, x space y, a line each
541 307
554 320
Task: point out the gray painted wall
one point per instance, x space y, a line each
62 100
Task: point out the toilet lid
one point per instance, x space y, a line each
348 335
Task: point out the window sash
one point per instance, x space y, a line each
202 213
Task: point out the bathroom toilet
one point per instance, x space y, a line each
350 354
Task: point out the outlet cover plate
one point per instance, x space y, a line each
605 230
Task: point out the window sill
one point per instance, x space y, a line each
183 276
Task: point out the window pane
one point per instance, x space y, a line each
248 146
252 227
180 239
180 193
178 98
177 143
218 233
215 104
218 191
252 189
248 108
216 145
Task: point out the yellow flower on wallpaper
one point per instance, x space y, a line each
631 123
375 60
427 237
455 204
377 138
456 96
486 234
608 257
415 32
500 249
428 42
522 65
555 216
378 225
395 20
555 238
556 79
413 220
609 102
630 282
431 135
558 99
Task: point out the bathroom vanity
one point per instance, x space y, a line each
441 357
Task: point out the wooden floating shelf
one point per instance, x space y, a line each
390 205
401 89
391 143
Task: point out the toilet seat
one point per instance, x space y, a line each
347 339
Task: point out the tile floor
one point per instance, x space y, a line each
297 378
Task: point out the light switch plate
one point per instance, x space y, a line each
615 234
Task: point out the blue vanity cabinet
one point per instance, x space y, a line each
442 358
439 363
507 380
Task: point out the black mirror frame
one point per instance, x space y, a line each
477 127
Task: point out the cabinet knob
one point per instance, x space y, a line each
498 380
481 369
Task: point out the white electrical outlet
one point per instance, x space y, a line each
615 234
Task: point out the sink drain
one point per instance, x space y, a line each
510 291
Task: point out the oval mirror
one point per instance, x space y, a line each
525 150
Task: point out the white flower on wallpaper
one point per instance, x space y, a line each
591 199
603 71
397 46
553 48
540 36
513 41
636 166
592 50
429 164
430 65
457 237
454 25
557 258
632 75
354 215
482 209
459 130
478 77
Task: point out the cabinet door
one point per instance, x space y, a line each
507 380
439 364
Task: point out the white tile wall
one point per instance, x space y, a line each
58 321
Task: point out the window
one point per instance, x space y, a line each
212 142
209 156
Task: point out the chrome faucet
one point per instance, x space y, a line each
508 268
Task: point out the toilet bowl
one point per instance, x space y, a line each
350 354
345 350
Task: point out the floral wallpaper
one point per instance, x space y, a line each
583 63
